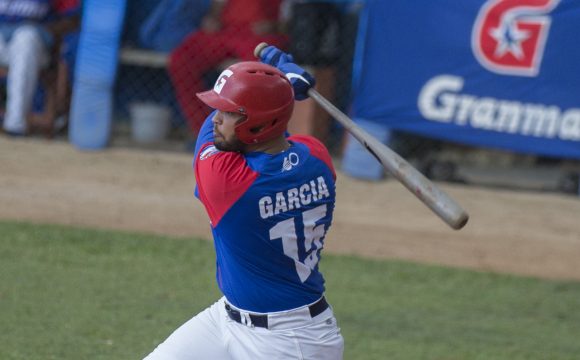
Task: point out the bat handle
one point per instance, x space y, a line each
258 49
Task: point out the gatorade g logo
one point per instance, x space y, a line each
221 81
509 35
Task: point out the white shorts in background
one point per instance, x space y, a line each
212 335
25 52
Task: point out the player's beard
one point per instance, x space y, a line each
234 144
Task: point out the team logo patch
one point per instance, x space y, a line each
509 36
290 161
207 152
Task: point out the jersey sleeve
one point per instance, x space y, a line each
203 142
317 149
221 179
205 135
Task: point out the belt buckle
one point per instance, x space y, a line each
246 319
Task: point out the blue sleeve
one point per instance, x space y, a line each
205 133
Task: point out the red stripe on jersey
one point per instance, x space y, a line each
317 149
222 178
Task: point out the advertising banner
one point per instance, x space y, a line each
490 73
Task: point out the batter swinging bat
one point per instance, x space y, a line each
438 201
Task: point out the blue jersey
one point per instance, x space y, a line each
269 215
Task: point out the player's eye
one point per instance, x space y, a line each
234 116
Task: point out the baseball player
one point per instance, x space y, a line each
270 199
28 30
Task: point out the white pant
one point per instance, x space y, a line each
212 335
25 54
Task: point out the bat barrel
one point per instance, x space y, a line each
431 195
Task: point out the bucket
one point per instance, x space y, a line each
149 122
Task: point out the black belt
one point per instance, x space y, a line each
262 320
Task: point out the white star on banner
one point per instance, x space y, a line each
509 39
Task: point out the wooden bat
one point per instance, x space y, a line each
426 191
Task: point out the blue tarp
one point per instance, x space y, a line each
498 73
95 72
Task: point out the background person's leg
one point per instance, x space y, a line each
26 56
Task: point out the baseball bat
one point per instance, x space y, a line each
425 190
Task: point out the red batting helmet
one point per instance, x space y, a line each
260 92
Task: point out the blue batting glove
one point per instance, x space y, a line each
300 79
271 55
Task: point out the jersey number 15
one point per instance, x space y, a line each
286 230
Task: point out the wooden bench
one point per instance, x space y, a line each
154 59
142 57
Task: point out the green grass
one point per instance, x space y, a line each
70 293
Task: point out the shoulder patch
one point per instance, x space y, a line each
207 152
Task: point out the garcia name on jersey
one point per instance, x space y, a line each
293 198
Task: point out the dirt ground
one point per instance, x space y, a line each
535 234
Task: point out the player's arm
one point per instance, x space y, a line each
222 177
204 138
205 135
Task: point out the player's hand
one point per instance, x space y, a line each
271 55
301 80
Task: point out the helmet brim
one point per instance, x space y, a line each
215 101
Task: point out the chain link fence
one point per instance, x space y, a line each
164 66
172 49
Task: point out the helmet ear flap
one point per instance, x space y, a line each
275 124
257 129
254 132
